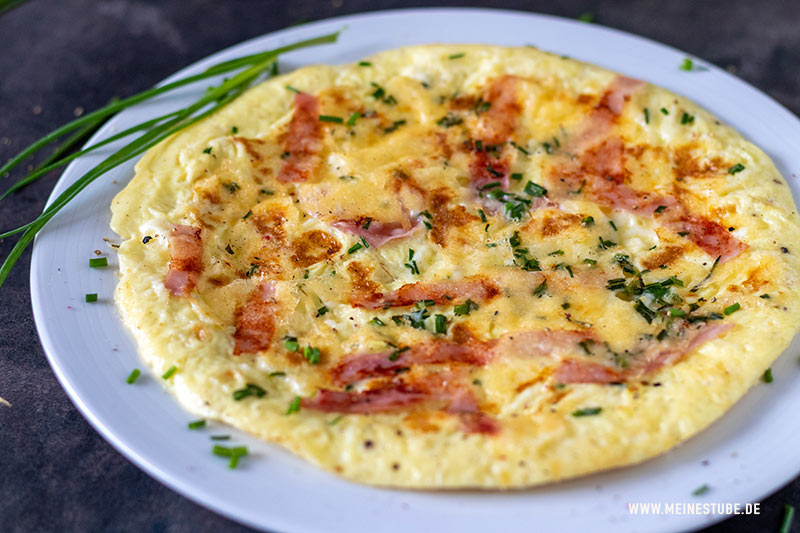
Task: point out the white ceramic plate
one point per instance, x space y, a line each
749 453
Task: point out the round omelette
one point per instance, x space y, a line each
460 266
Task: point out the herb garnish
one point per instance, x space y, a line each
587 411
767 377
353 117
702 489
294 406
331 118
686 118
98 262
456 56
412 263
234 453
170 371
291 344
134 375
249 389
540 289
732 309
440 324
465 308
197 424
322 310
91 297
738 167
449 120
312 354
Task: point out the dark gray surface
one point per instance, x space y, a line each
56 472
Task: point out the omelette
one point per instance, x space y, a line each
453 266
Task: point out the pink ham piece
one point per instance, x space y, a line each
713 238
255 322
655 355
185 260
438 391
476 288
303 141
540 343
355 367
378 233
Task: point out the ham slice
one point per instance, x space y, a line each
378 233
185 260
654 355
303 141
476 288
255 322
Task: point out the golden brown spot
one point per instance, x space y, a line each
445 218
312 247
362 286
270 225
556 222
424 421
461 333
585 98
468 101
252 147
663 257
686 166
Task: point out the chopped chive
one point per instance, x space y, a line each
664 111
516 176
220 437
336 420
98 262
732 309
234 130
702 489
247 215
586 17
294 407
587 221
646 116
613 226
249 390
291 344
465 308
207 150
660 209
331 118
687 64
312 354
197 424
788 517
353 117
533 189
322 310
170 371
686 118
540 289
440 324
738 167
134 375
395 355
91 297
377 321
456 56
482 215
587 411
674 311
277 374
364 64
356 247
590 261
767 377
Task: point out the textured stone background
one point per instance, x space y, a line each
56 472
